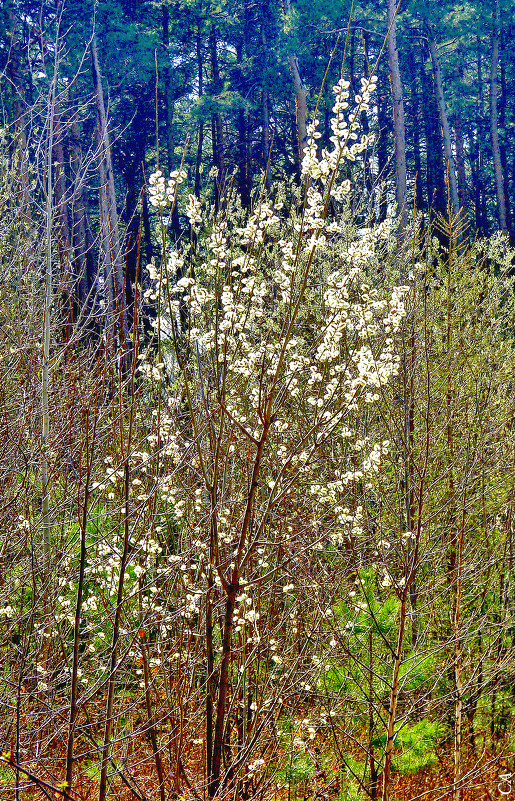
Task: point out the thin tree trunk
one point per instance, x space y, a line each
366 129
85 277
111 236
265 99
169 109
151 724
300 96
83 519
444 122
230 602
394 697
435 181
415 100
458 680
113 662
106 250
479 190
45 372
241 124
371 755
460 161
494 132
382 146
14 72
133 229
216 122
63 237
61 200
398 114
502 145
200 141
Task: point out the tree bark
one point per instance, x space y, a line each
200 141
300 96
398 114
132 220
382 145
460 161
169 102
46 340
394 698
84 266
477 156
494 132
502 145
415 100
444 122
109 215
216 121
14 72
63 236
265 99
244 179
435 181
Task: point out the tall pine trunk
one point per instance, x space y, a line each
110 237
216 121
481 222
169 102
382 145
460 161
265 98
502 145
435 176
200 140
244 177
63 238
494 124
84 264
14 72
399 127
417 158
444 122
301 108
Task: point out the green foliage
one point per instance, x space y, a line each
300 768
7 778
417 744
353 771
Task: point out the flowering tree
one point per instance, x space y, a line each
276 343
271 528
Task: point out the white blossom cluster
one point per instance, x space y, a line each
344 137
193 211
244 614
162 192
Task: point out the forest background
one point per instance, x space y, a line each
256 383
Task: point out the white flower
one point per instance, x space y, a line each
193 211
